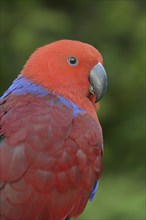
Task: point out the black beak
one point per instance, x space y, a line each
98 81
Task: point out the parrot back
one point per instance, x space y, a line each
50 156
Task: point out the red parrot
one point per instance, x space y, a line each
51 141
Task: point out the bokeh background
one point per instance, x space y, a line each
117 29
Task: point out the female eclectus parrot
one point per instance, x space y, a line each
50 138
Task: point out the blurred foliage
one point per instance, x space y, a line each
117 29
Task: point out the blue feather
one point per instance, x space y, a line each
22 86
92 196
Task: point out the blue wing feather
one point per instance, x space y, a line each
92 196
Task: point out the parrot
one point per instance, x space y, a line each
51 140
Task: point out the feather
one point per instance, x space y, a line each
47 166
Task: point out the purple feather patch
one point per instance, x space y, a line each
22 86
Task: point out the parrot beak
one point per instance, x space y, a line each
98 81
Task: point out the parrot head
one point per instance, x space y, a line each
69 68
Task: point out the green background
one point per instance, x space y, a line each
117 29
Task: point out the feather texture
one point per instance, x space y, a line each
50 157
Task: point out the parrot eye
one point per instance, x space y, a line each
72 61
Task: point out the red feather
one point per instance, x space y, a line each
50 159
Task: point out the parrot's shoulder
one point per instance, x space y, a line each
24 91
30 115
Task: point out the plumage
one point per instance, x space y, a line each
51 151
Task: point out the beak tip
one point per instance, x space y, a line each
98 81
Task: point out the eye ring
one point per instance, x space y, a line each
72 61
